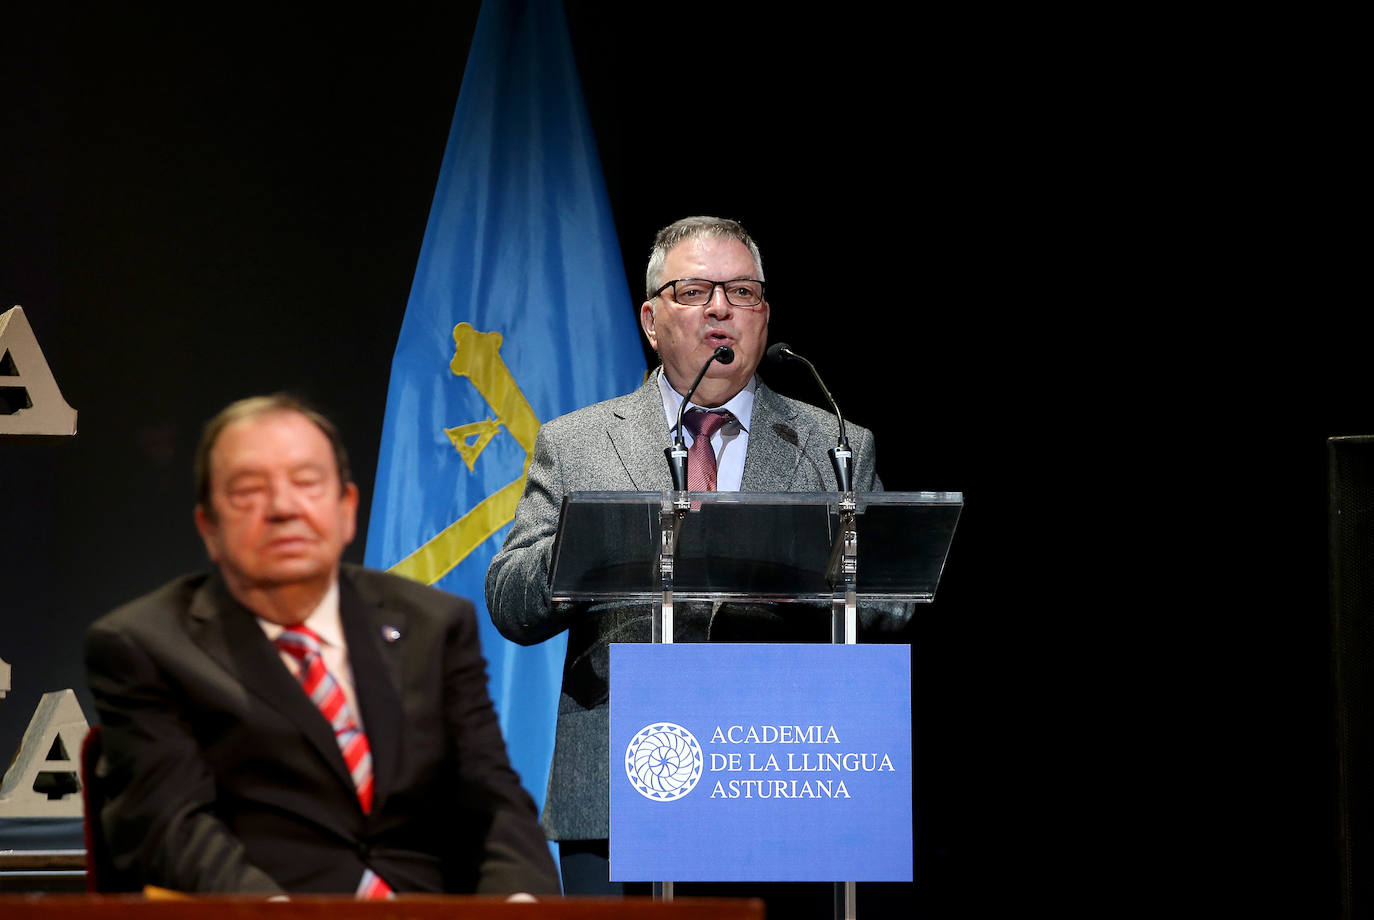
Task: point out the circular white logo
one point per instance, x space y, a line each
663 761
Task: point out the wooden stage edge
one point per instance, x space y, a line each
408 907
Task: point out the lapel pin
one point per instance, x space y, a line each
390 633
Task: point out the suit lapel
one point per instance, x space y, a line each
638 431
777 443
376 678
778 439
229 633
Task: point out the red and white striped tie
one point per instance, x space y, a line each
372 888
301 643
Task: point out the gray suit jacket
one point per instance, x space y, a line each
618 445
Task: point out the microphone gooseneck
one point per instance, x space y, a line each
840 457
677 454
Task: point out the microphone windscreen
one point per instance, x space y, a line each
777 352
725 354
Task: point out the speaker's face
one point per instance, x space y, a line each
685 336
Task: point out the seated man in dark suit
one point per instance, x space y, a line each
289 723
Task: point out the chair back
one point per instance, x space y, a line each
101 874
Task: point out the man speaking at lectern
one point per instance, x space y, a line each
705 289
292 724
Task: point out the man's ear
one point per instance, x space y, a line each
646 322
209 533
349 503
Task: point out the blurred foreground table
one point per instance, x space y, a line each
406 907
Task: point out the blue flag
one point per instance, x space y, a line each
518 313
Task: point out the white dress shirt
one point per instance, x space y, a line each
324 622
731 440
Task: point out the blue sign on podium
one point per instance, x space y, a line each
738 762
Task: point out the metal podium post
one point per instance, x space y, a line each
670 517
843 572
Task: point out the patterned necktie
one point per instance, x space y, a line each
303 645
324 691
701 458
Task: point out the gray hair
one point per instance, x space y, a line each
690 228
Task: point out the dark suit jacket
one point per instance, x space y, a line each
219 774
618 445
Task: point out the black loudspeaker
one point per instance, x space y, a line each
1351 486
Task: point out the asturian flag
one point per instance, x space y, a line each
519 312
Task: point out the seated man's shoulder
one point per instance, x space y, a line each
395 590
151 609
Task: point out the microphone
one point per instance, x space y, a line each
677 454
840 457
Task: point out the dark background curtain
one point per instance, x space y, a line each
1088 271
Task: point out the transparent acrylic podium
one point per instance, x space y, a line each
842 548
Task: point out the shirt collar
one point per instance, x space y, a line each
323 621
741 405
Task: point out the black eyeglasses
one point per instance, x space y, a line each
697 292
